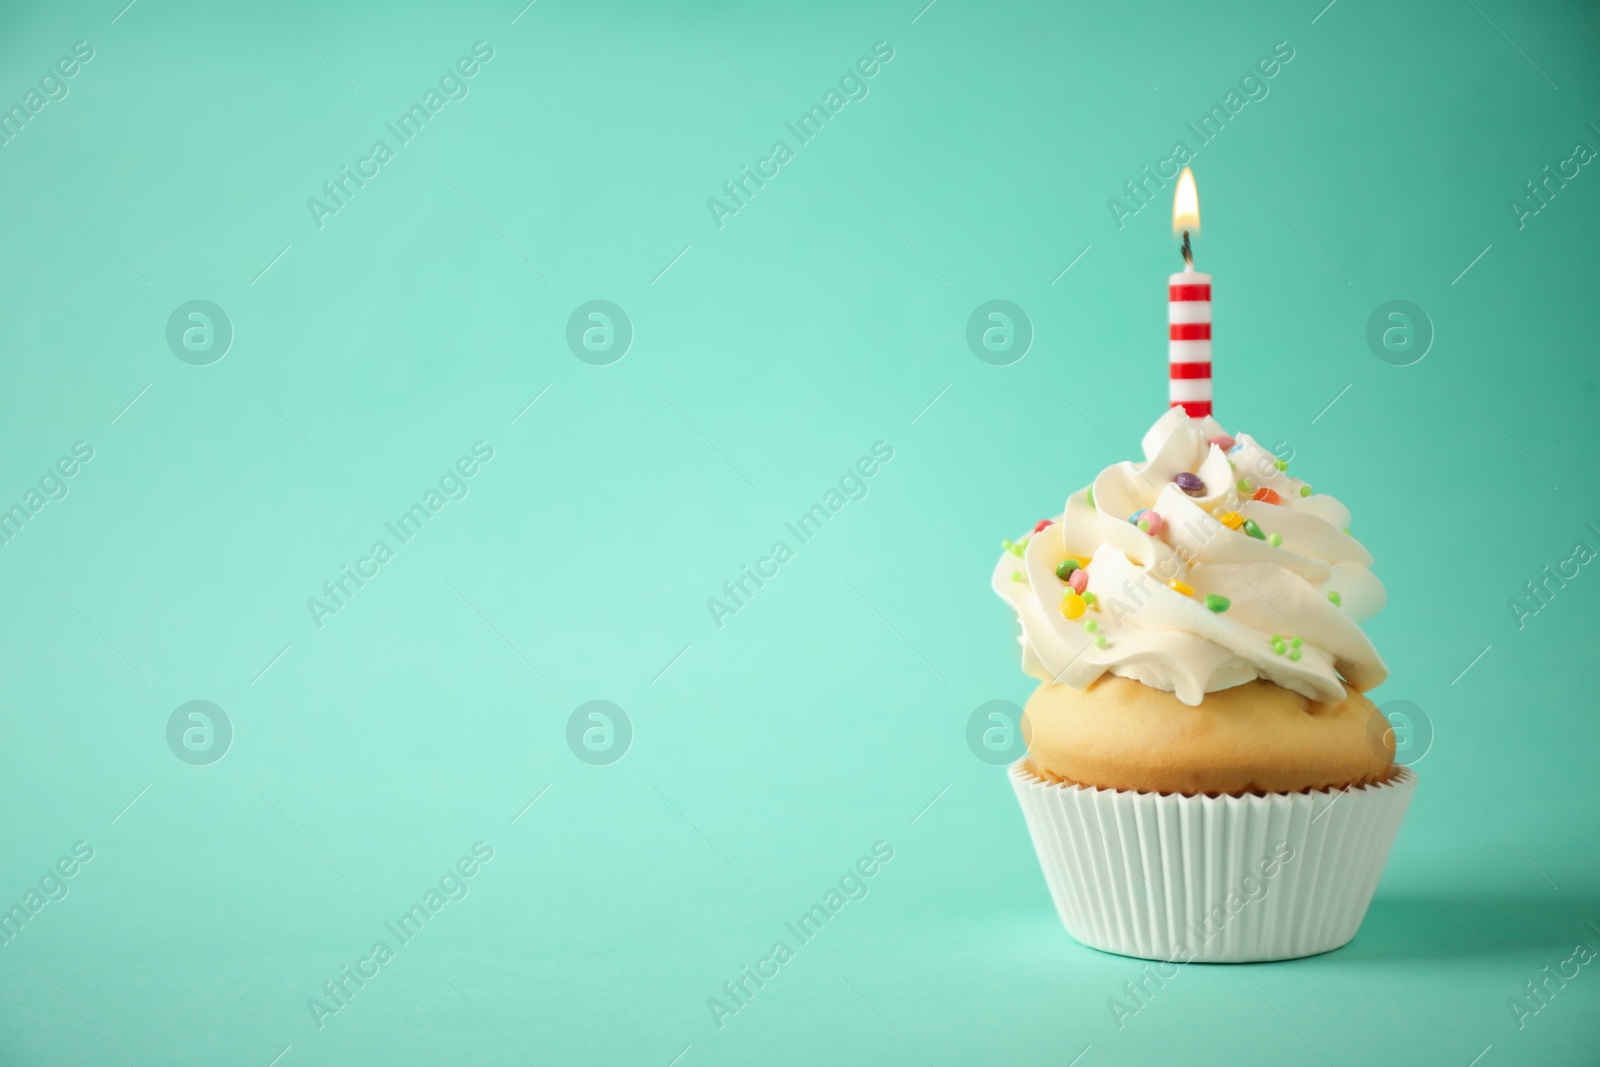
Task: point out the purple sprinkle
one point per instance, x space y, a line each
1190 483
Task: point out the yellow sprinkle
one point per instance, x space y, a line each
1181 587
1232 520
1083 561
1072 605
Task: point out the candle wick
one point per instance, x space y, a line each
1188 254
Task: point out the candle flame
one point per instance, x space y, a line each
1185 205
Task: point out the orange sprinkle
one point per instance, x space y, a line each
1267 496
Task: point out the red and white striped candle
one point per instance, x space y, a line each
1189 342
1188 313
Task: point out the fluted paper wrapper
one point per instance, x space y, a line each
1212 879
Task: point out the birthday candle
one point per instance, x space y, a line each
1188 313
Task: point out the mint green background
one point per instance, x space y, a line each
818 320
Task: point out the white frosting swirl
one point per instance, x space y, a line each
1168 638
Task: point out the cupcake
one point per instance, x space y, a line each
1205 779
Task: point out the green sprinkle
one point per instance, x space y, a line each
1090 598
1016 576
1282 464
1019 548
1217 603
1333 595
1091 626
1296 642
1089 492
1006 545
1100 641
1294 654
1065 568
1253 530
1305 490
1347 531
1278 645
1275 540
1245 486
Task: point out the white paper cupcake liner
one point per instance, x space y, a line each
1212 879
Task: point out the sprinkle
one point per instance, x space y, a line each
1282 464
1016 576
1267 496
1245 487
1072 605
1218 603
1222 441
1333 595
1019 548
1100 641
1042 524
1006 545
1089 493
1091 625
1305 490
1079 580
1275 539
1253 530
1181 587
1232 520
1065 568
1296 642
1189 483
1091 600
1278 644
1149 521
1294 654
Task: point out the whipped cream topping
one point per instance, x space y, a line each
1227 588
